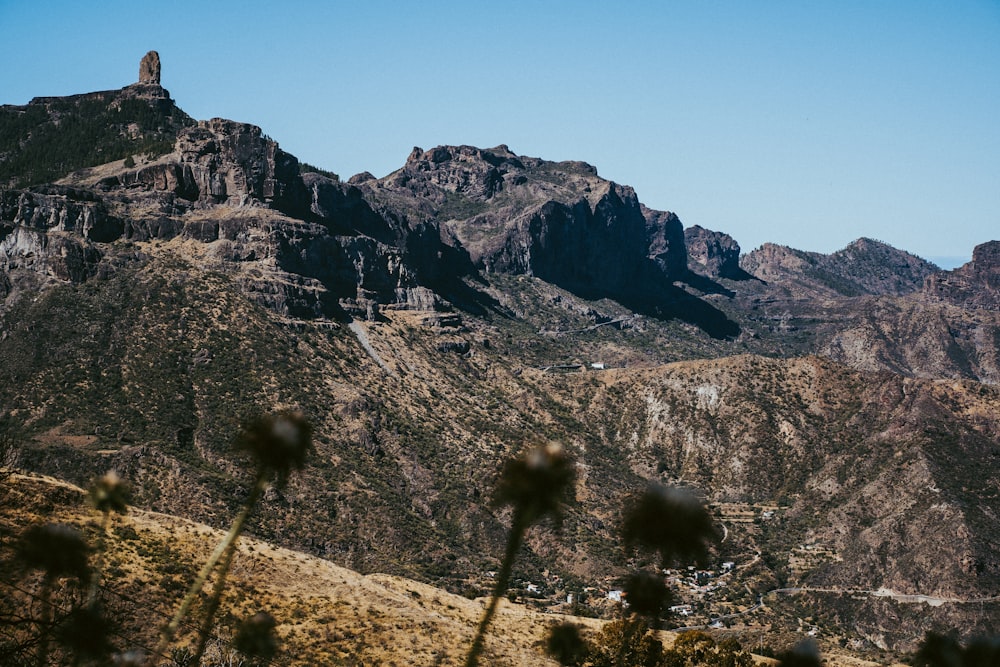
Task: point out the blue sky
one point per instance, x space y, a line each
808 124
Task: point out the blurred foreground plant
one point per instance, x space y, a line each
535 485
58 551
674 523
938 650
670 520
108 494
278 443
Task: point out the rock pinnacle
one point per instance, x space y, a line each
149 68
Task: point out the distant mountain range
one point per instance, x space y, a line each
163 278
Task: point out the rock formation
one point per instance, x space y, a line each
973 285
149 68
666 242
556 220
713 254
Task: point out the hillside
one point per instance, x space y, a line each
839 412
328 614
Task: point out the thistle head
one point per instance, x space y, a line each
646 593
566 644
109 494
278 442
670 520
256 638
536 482
805 654
86 632
57 549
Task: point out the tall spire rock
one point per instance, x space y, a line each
149 68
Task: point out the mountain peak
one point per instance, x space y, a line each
864 266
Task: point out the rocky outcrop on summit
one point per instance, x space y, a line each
865 266
713 254
149 68
973 285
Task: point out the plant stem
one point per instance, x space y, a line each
519 527
95 581
45 622
169 630
213 603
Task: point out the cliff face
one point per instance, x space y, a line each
221 162
974 285
368 244
556 220
713 254
317 246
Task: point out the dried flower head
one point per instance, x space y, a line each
86 633
670 520
646 593
566 644
537 482
109 494
803 654
256 638
57 549
278 442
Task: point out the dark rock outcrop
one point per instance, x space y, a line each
222 162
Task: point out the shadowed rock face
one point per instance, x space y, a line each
667 246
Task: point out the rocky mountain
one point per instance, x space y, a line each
863 267
838 411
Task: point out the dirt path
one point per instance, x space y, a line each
362 336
